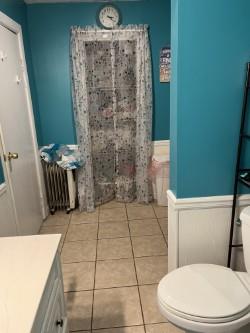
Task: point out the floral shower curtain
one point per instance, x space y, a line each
112 98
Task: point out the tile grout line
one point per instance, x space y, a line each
118 237
64 240
109 221
125 222
93 296
115 327
162 232
113 259
77 262
107 288
143 321
154 211
62 262
159 222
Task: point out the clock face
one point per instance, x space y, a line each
109 17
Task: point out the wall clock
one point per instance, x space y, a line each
109 17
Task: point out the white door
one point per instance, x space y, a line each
20 161
8 226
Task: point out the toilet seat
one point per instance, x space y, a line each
204 293
202 319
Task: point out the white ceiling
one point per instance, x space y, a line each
56 1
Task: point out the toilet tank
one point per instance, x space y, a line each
245 220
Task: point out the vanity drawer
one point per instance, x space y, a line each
56 320
51 294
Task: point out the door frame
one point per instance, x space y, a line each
6 186
13 26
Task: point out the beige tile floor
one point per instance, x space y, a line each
112 261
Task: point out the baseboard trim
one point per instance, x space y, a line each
207 202
162 148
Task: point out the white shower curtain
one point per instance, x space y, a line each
112 98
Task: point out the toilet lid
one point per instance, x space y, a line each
205 291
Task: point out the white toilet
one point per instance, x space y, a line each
206 298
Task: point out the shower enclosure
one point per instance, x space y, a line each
112 95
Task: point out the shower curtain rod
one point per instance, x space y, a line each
114 30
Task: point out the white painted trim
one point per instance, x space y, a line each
206 202
161 143
17 29
44 207
3 189
8 23
161 147
8 183
198 230
173 233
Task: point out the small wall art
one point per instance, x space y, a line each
165 64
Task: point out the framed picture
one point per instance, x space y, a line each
165 64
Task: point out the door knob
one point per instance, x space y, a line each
13 156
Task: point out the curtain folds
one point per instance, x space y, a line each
112 102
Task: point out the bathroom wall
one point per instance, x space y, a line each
210 47
16 9
49 26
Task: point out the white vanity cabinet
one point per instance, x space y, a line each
31 286
51 315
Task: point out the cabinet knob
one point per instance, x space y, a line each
59 323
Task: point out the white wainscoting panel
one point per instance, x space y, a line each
162 148
173 235
199 230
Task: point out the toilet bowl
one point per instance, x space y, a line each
206 298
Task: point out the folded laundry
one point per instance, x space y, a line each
63 155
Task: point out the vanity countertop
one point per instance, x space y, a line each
25 264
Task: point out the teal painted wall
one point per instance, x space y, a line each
16 9
210 45
49 37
